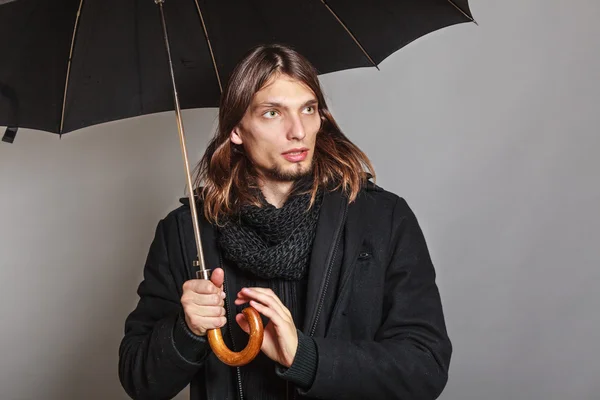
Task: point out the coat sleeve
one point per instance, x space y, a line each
410 354
159 355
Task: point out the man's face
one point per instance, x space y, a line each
279 129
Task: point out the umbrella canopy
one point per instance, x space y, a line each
68 64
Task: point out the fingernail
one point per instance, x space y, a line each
223 295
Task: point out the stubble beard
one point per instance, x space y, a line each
279 174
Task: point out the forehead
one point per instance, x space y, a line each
283 89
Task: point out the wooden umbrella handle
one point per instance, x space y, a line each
237 359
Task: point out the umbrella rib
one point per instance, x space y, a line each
212 55
462 12
62 116
350 33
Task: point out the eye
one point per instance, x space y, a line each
310 110
270 114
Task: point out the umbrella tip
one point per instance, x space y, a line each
475 22
9 134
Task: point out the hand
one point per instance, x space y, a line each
203 303
280 341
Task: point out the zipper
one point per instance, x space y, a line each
329 268
229 320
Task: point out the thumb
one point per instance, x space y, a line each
242 322
217 277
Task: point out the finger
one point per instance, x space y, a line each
203 299
207 311
241 300
270 293
268 298
217 277
268 312
243 323
242 297
266 291
206 323
200 286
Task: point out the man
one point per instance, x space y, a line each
337 267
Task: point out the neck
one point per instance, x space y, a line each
276 193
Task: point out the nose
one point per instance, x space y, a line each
296 129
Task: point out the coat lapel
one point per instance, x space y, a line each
331 222
354 235
329 226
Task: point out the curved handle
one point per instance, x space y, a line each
237 359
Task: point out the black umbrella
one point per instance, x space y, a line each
68 64
118 67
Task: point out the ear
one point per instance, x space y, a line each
235 136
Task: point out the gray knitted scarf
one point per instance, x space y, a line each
272 242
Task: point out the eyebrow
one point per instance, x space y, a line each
307 103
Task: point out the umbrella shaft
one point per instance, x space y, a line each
203 272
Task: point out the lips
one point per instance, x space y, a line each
296 155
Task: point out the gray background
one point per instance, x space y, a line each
489 132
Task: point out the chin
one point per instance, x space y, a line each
291 173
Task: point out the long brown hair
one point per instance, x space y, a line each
227 172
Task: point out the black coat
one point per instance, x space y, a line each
375 315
